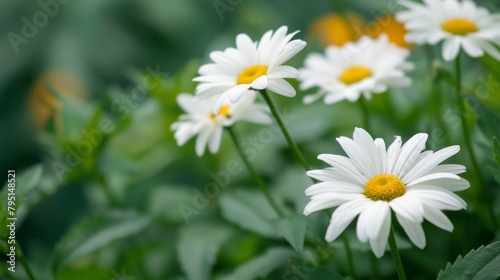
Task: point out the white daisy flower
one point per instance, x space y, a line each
200 119
250 66
372 181
365 67
459 24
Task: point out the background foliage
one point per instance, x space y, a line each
107 73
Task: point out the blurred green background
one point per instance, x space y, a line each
122 62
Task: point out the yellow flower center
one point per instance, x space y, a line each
459 26
251 73
224 111
384 187
355 74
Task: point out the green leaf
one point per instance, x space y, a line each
23 184
293 229
198 246
496 150
164 202
96 232
250 210
483 263
262 265
76 116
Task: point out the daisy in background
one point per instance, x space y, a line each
201 121
389 25
337 29
250 66
373 181
461 25
363 68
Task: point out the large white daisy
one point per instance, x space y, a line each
372 181
365 67
200 119
459 24
250 66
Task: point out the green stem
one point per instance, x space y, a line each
366 113
465 128
395 255
260 183
288 138
350 262
299 156
467 138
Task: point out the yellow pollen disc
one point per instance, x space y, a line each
355 74
224 111
251 73
459 26
384 187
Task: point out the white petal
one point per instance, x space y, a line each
281 87
332 175
288 52
409 154
332 98
247 47
392 155
204 92
449 168
381 155
450 48
260 83
308 99
472 49
345 165
186 101
450 184
379 244
324 201
439 199
371 220
357 157
257 117
215 139
413 230
490 49
429 162
431 177
201 141
408 207
283 72
437 218
333 187
344 215
235 93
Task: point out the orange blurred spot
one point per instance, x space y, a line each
389 25
336 29
42 101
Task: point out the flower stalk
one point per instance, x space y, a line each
395 255
260 183
281 125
